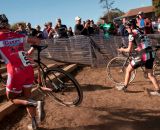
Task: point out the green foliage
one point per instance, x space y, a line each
110 13
107 4
114 13
156 4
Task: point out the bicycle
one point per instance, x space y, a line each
56 83
117 66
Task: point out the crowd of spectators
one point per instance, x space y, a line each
145 24
88 27
60 30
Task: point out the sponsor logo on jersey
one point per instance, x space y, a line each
13 42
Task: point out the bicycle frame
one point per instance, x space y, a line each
41 72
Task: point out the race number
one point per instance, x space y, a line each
24 58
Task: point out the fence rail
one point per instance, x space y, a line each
78 49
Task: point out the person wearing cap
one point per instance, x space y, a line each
107 27
60 29
78 28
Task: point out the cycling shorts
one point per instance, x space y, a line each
20 78
137 63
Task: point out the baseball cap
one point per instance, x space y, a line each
139 13
77 18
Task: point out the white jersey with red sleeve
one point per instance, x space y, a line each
12 49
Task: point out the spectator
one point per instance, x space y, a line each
39 32
116 26
70 32
88 30
21 29
50 30
148 26
122 30
61 29
107 27
141 21
30 31
94 26
45 32
159 24
78 26
84 22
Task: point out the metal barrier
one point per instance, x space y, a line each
79 50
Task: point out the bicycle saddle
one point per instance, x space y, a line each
39 47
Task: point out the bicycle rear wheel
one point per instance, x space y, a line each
66 90
116 69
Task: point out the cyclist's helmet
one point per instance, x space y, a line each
3 21
131 23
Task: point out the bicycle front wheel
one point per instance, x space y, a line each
66 89
116 70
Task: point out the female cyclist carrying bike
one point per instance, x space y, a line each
145 56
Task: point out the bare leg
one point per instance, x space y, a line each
128 74
129 70
16 99
153 79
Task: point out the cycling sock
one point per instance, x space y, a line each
32 103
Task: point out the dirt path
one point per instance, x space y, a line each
103 107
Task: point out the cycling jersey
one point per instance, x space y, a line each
142 44
12 52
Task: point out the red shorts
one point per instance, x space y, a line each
19 78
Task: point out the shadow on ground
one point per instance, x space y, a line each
122 119
94 87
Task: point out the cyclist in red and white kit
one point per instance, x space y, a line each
19 70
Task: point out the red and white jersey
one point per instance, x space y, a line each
12 50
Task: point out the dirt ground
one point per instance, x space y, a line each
103 107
